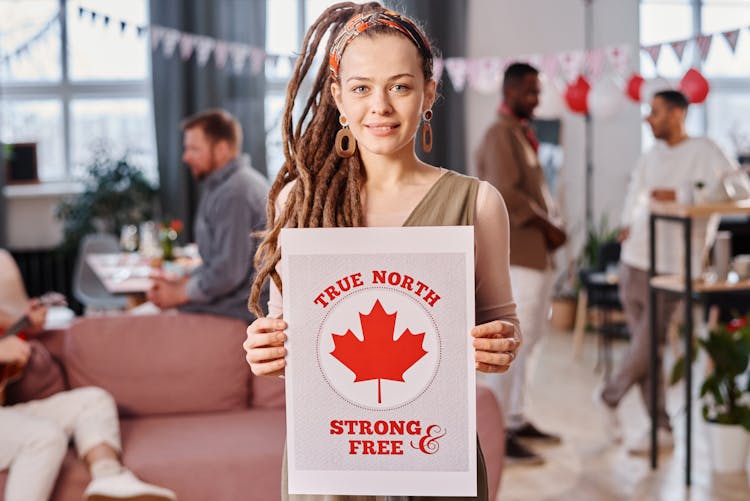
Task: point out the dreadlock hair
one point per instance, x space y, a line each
327 189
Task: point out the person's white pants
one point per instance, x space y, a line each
34 438
532 291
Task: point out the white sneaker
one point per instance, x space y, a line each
125 486
612 422
642 447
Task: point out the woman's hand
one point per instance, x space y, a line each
495 344
265 346
14 350
37 314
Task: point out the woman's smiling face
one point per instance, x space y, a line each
382 92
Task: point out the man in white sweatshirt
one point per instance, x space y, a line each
674 165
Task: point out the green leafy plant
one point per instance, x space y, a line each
116 193
725 398
596 236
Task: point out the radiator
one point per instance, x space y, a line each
47 270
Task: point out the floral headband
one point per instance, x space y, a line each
361 22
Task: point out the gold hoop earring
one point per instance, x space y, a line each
427 131
345 141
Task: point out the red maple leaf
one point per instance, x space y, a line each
378 355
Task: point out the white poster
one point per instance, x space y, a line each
380 381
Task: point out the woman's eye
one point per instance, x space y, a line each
359 89
400 88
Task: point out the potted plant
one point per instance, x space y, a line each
116 193
724 392
565 299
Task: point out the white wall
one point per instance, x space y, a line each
30 221
522 27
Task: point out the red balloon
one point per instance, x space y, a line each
694 86
633 88
576 95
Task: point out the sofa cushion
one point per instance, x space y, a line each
219 456
161 364
491 432
268 393
41 378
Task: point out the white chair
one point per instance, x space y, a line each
87 288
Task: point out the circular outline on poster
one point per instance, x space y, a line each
428 317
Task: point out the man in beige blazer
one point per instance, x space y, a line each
508 159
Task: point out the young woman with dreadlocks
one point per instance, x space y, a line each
350 161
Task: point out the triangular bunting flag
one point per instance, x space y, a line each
221 52
485 75
157 33
535 60
731 37
238 54
679 48
257 60
653 51
187 43
169 42
595 63
457 72
205 45
619 58
571 63
437 69
549 66
704 45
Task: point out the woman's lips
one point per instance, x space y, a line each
382 129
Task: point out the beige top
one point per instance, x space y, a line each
455 199
452 200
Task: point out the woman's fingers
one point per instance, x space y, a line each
266 324
264 346
495 344
260 355
271 368
497 359
496 328
487 344
259 340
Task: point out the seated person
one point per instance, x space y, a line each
231 209
34 435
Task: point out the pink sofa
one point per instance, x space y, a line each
193 417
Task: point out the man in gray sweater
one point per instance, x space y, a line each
231 209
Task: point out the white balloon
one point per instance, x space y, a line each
551 103
605 98
653 85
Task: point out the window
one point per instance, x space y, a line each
72 82
287 22
724 115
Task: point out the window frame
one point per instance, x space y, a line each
719 84
66 90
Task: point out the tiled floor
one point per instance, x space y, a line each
586 466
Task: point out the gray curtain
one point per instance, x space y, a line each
445 22
182 88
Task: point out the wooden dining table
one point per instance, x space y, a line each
133 273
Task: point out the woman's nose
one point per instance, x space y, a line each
381 103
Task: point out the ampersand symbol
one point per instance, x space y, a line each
428 444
